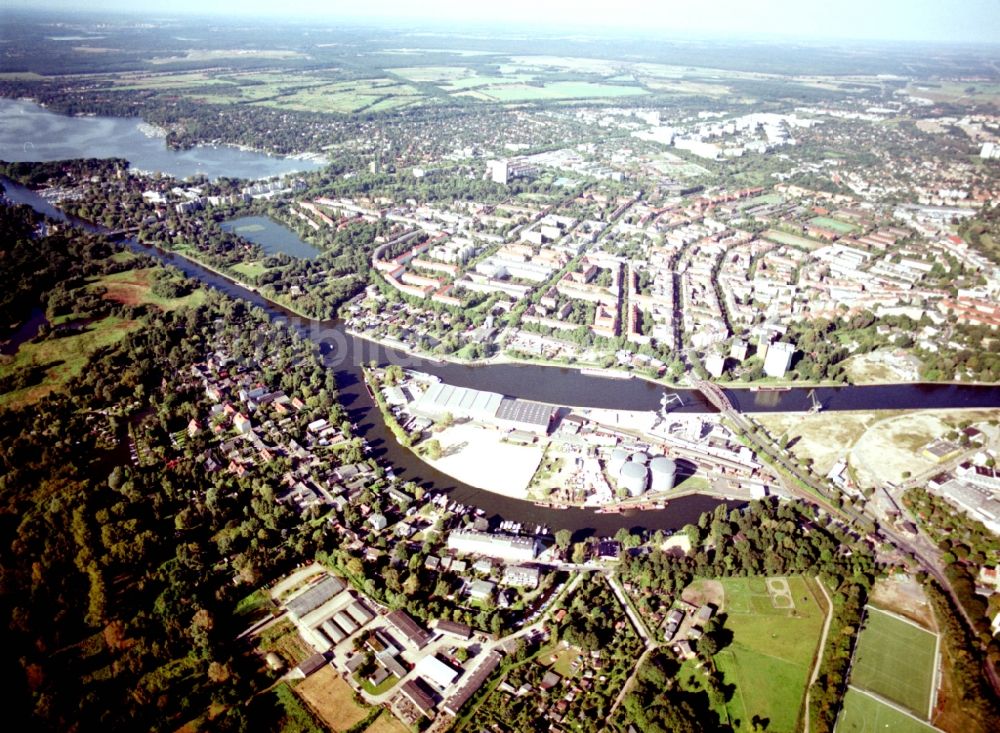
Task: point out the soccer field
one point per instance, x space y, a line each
864 714
895 659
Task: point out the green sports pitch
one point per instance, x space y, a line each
895 659
864 714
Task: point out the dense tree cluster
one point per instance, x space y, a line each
120 578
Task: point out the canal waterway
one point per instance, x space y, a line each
347 354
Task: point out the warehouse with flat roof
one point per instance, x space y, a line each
507 413
503 546
518 414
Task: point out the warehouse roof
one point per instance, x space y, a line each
525 411
315 597
409 628
436 672
460 401
472 683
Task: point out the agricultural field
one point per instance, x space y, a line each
332 699
346 97
525 81
885 640
864 714
973 92
776 625
195 55
557 90
322 91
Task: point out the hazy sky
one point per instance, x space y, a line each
942 20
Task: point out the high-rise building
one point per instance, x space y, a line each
778 359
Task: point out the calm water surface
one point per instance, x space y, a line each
29 132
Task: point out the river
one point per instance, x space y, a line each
29 132
346 354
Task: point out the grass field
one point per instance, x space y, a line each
558 90
772 652
884 642
387 723
835 224
332 699
249 270
958 92
792 240
132 287
345 97
63 358
561 659
864 714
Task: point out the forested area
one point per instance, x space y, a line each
119 578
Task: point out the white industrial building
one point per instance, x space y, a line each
503 546
778 359
487 407
326 613
436 672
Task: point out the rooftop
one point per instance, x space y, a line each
314 597
409 628
524 411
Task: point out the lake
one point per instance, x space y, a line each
274 238
29 132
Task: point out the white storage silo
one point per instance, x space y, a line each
663 472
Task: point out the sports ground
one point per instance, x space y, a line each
864 714
896 660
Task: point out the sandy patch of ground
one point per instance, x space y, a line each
903 595
892 446
678 544
477 456
824 437
882 366
128 292
880 445
332 699
701 592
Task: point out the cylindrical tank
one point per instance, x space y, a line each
617 460
633 478
663 471
640 457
